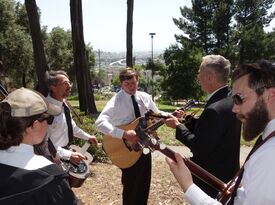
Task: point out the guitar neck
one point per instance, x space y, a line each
84 148
198 171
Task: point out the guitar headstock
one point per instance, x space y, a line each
188 105
149 142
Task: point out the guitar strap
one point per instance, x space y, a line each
239 174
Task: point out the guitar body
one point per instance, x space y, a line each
118 152
78 173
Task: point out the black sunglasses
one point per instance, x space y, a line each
49 119
238 99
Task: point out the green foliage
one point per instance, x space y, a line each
181 73
16 49
59 49
251 18
15 44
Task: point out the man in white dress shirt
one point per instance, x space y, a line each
60 88
254 104
120 111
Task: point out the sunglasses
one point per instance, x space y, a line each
238 98
49 119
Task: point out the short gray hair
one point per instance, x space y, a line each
52 78
219 65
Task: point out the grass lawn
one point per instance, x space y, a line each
166 134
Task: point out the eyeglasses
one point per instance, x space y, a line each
49 119
67 83
238 98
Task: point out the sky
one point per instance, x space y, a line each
104 22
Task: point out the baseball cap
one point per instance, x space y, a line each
25 103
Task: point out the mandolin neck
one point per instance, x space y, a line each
198 171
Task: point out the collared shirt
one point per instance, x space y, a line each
58 131
258 178
23 156
120 111
211 94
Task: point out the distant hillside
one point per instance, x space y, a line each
118 59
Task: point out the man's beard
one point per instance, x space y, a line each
256 120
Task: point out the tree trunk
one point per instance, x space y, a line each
38 47
129 33
85 90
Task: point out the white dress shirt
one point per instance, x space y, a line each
58 131
258 178
120 111
23 156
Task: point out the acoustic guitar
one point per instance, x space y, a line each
124 154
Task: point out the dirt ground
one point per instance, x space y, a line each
104 186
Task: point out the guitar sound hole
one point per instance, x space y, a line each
78 169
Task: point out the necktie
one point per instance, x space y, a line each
69 122
136 108
51 147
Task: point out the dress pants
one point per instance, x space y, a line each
136 181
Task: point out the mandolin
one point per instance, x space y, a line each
151 143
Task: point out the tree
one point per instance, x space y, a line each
59 49
251 18
207 25
129 33
269 46
85 90
15 45
181 72
38 47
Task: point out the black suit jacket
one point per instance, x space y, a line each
214 139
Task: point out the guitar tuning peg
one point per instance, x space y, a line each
154 141
162 146
146 150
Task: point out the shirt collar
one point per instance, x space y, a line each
269 128
128 96
210 95
54 101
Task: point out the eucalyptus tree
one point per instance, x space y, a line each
129 33
85 90
38 46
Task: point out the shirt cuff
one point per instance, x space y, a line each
64 153
195 196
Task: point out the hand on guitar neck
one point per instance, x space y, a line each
180 171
